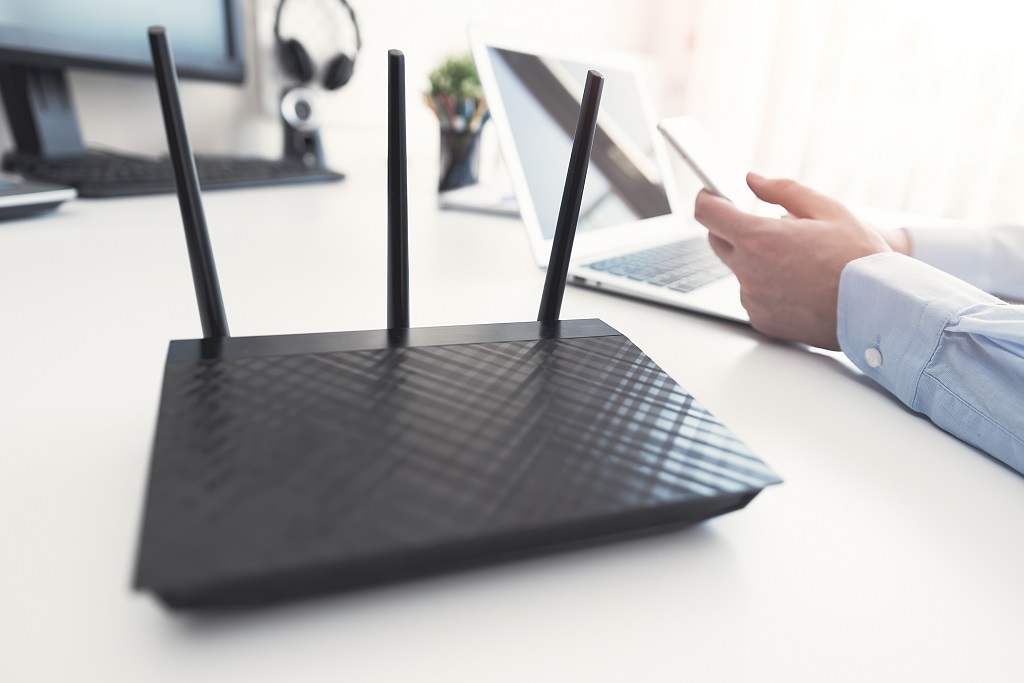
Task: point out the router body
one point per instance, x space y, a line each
290 465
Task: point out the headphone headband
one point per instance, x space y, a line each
296 60
351 13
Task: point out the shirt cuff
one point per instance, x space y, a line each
891 315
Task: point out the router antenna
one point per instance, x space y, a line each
398 203
572 198
200 253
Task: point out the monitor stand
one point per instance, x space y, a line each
40 113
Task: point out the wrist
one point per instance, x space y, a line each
898 240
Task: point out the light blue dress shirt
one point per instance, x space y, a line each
942 346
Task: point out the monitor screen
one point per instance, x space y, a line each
111 34
41 39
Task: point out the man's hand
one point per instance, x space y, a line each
788 268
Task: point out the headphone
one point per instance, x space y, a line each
295 59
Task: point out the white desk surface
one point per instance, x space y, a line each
891 552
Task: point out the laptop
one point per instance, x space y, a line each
635 237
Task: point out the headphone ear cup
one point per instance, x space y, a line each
295 60
338 72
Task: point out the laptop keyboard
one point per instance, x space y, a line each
681 266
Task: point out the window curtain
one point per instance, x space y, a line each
898 104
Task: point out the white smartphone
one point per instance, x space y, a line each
712 165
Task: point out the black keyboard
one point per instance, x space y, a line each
681 266
99 174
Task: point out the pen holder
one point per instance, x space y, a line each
460 158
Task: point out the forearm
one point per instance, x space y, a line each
942 347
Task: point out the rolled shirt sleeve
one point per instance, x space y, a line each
943 347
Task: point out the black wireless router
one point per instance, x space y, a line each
295 464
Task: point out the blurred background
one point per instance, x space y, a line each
909 105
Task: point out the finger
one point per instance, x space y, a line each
799 200
721 217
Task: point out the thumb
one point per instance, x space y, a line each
799 200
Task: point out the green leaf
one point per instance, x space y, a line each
457 77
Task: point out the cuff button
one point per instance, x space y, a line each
873 357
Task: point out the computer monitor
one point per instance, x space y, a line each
41 39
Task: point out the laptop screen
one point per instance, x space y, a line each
540 98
